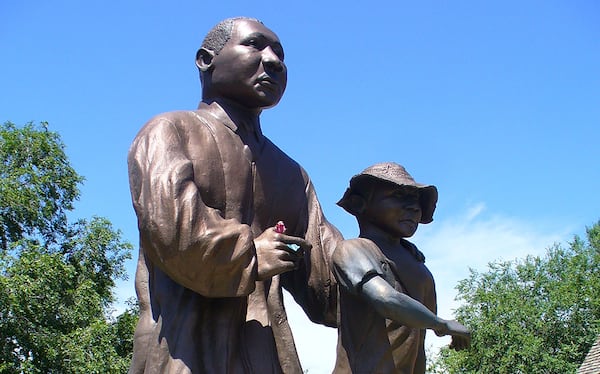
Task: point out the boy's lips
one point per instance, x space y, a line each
410 221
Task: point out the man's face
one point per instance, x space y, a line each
395 210
249 69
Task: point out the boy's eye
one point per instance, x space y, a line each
407 194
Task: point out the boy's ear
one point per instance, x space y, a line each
353 203
204 59
357 204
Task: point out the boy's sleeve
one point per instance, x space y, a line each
355 261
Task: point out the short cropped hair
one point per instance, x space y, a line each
219 35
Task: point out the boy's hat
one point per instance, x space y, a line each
392 173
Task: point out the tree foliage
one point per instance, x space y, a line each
537 315
56 277
37 182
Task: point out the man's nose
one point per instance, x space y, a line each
271 60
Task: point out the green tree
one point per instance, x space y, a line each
37 184
537 315
56 277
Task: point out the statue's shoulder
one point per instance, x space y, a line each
350 248
179 118
175 121
359 243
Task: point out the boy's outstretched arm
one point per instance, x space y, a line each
402 308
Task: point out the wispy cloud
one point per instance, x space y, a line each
473 239
474 211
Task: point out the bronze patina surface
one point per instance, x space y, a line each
208 189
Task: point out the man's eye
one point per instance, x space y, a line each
254 43
279 53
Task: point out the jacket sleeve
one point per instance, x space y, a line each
313 284
188 240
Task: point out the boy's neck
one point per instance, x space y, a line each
379 236
390 244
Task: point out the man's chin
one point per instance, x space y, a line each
268 102
268 96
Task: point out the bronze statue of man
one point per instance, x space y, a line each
208 189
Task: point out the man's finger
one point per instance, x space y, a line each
296 240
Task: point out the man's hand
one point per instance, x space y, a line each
461 336
273 254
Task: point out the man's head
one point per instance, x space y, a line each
242 60
386 196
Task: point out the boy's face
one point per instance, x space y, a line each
395 210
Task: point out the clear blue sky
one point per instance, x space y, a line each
496 103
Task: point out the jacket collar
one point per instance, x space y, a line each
234 116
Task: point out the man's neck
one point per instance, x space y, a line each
245 122
236 111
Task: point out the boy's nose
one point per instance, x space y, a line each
413 204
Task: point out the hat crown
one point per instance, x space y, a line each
388 172
392 172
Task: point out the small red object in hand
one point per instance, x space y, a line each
280 227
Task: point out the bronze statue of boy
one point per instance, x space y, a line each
208 189
387 294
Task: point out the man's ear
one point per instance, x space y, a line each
204 59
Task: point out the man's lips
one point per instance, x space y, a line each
267 81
